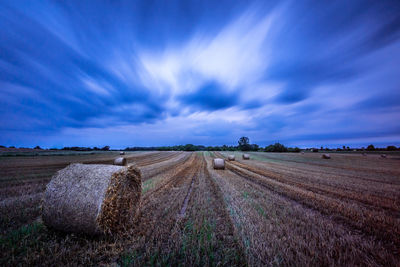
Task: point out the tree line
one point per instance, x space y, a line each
243 145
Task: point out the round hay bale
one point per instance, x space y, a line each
219 164
326 156
246 156
302 152
120 161
364 154
92 199
122 153
231 157
384 156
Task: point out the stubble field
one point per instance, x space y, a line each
274 209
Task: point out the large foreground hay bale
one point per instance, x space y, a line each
92 199
120 161
326 156
231 157
246 156
219 164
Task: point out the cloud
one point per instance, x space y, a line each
208 72
210 96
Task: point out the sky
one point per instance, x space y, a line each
153 73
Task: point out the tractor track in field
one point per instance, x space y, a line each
371 222
158 213
225 230
161 195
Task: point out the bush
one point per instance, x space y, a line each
391 148
370 147
277 147
295 150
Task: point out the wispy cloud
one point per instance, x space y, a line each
132 74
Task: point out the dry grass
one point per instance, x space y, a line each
276 209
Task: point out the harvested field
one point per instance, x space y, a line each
275 209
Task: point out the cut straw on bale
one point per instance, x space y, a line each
231 157
219 164
122 153
326 156
246 156
120 161
92 199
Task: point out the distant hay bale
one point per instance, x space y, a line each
246 156
219 164
384 156
122 153
364 154
92 199
231 157
302 152
326 156
120 161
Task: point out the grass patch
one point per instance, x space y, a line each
147 185
19 241
127 259
198 240
260 210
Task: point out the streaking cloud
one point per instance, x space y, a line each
133 74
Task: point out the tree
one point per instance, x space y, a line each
37 147
277 147
391 148
190 147
244 143
106 148
370 147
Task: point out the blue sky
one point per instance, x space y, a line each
149 73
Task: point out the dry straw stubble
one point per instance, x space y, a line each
92 199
